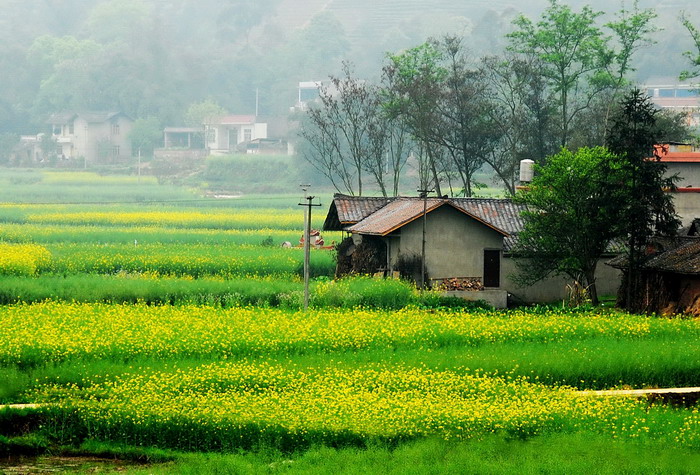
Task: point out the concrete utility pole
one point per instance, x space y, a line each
307 238
424 195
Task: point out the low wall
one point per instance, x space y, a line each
495 298
177 155
554 289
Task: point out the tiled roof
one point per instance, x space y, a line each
347 210
498 213
98 116
683 259
182 130
680 157
679 255
380 216
61 117
237 120
89 116
394 215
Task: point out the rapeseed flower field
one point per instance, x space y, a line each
205 378
180 327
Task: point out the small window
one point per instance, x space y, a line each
247 135
115 151
71 128
686 92
115 129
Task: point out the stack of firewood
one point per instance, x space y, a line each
462 283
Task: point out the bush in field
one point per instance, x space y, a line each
364 291
23 259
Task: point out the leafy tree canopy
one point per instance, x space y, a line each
199 113
572 206
692 56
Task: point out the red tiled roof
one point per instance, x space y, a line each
681 157
676 157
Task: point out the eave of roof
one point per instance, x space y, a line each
403 211
676 255
88 116
681 157
237 120
182 130
394 215
347 210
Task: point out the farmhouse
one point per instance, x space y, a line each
96 136
683 161
224 134
468 244
669 275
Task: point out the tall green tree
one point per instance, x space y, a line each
441 96
200 113
572 49
522 110
647 207
581 63
411 81
146 134
570 219
346 133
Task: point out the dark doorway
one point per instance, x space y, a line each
492 268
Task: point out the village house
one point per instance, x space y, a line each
683 161
669 275
468 244
667 93
223 135
95 136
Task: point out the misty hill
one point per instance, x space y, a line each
154 58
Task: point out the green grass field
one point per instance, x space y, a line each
169 338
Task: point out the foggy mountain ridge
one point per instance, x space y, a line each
157 57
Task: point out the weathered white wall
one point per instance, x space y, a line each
555 288
687 205
454 246
689 173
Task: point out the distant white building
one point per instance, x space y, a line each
96 136
668 93
225 134
308 92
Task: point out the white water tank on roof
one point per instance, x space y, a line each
526 170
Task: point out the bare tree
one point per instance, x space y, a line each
399 145
436 92
345 133
522 111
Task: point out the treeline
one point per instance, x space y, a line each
451 115
154 59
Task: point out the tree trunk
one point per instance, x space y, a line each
592 289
